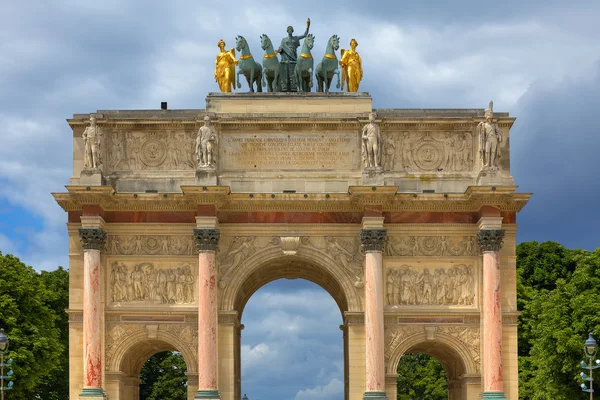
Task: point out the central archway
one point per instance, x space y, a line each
292 345
270 265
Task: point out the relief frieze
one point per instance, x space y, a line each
150 245
428 152
430 246
135 151
149 283
407 285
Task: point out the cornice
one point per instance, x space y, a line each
502 197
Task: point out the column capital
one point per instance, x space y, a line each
373 239
206 239
490 239
92 238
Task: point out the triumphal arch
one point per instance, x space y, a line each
406 217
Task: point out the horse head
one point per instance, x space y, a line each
264 41
335 42
310 41
240 42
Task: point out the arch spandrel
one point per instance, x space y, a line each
456 347
270 263
134 344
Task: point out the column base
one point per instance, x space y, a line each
493 395
92 394
207 394
375 396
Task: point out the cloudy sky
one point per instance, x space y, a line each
538 60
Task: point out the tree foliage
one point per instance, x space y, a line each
163 377
421 377
559 297
34 327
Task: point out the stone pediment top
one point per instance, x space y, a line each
504 198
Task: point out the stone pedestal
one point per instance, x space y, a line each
91 177
373 177
490 241
92 240
206 240
206 176
373 241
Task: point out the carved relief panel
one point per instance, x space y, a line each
403 246
151 150
150 245
432 152
152 283
431 284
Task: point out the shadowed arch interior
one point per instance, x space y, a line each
289 268
138 354
449 358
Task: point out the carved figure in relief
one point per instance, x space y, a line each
427 294
467 151
241 248
206 144
92 141
137 277
352 67
391 284
371 139
407 286
172 153
338 252
162 286
117 153
171 286
225 68
407 151
389 153
443 246
490 138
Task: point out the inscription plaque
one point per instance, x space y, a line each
299 151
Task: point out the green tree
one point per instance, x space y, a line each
30 324
56 387
421 377
163 377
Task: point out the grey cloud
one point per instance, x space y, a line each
554 146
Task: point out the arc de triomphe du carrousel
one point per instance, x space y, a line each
406 217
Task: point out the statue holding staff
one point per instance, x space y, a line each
288 50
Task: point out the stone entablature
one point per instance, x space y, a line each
271 143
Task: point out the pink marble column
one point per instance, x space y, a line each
207 240
490 241
373 242
92 240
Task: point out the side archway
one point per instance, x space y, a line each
460 359
125 359
441 346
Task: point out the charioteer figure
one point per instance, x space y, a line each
288 51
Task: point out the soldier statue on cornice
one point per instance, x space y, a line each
288 49
490 138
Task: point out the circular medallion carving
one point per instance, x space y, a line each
428 155
152 245
153 152
429 245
